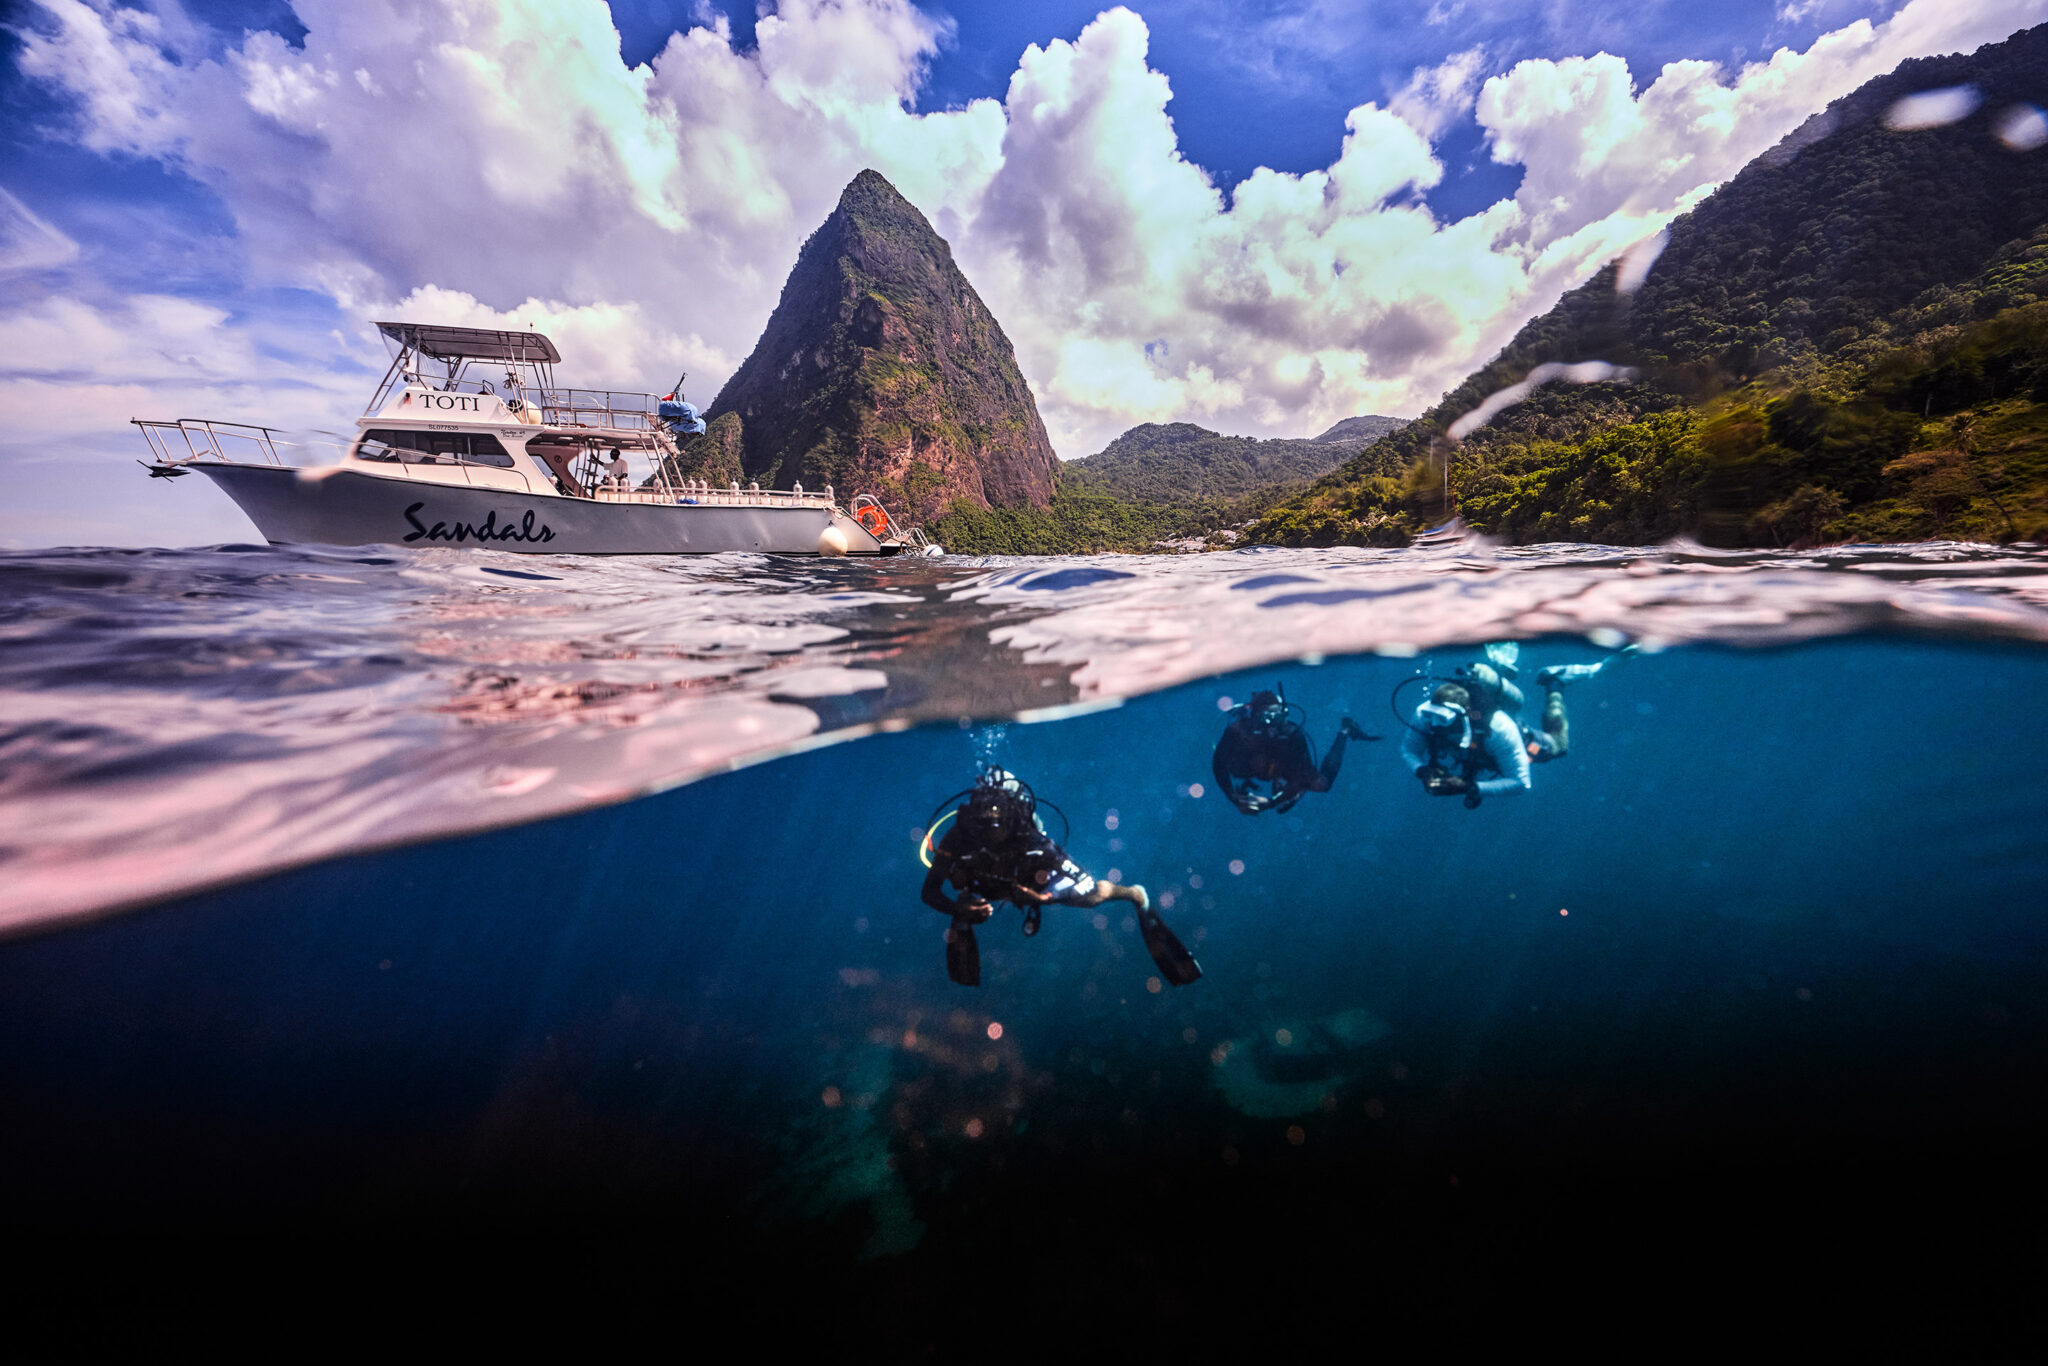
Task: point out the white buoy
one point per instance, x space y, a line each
832 541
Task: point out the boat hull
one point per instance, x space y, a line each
339 506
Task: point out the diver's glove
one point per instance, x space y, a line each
1356 731
973 909
1440 782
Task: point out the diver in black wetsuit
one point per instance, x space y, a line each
998 850
1265 744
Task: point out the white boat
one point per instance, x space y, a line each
455 459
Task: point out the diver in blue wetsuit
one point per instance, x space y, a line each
998 850
1264 744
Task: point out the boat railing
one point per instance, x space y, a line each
698 491
892 530
599 408
199 438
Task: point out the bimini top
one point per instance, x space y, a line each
473 343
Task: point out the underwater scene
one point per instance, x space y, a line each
532 903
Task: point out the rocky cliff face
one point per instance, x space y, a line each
881 371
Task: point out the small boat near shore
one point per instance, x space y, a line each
522 465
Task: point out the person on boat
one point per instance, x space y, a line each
998 850
1265 745
615 470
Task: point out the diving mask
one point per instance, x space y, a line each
1442 717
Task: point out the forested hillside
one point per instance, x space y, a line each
1179 462
1158 482
1846 341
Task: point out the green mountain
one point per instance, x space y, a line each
1179 462
1366 429
882 371
1159 482
1845 341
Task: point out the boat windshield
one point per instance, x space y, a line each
433 448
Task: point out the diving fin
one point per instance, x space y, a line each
963 954
1176 964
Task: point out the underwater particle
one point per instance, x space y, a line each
1196 790
1562 911
1153 985
1225 702
2022 128
384 965
1399 1071
860 926
1804 993
1116 846
1932 108
1636 262
974 1128
995 1029
1229 1156
1284 1037
990 1062
1195 881
1296 1135
1237 867
966 723
833 1100
1219 1055
1101 922
1375 1108
1110 819
1166 900
910 1038
1189 1034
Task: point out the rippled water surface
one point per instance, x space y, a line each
177 719
525 903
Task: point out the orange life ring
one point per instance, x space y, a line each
873 520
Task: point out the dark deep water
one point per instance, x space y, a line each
1786 1048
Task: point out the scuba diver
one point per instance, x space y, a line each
998 850
1454 755
1264 743
1466 739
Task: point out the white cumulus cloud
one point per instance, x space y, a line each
497 161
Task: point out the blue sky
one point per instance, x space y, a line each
1268 84
1258 217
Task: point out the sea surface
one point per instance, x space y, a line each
533 902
